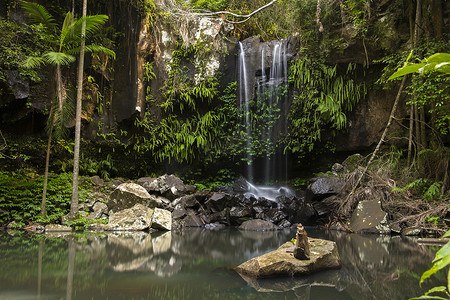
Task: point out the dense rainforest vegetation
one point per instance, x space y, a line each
145 114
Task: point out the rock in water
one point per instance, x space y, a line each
324 255
301 250
139 217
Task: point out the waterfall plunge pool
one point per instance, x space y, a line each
195 264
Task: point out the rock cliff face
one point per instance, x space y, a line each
146 40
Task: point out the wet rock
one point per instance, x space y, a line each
139 217
258 225
324 255
168 185
338 169
326 185
20 86
36 228
220 217
99 209
215 226
324 207
284 224
276 215
369 217
218 201
116 182
186 201
239 215
161 219
57 228
192 221
179 212
411 231
127 195
353 161
97 180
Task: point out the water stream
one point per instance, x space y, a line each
264 102
195 264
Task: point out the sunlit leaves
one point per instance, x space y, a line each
437 62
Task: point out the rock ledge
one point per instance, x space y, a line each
324 255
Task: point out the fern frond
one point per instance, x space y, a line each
93 49
58 58
33 62
66 30
38 14
93 25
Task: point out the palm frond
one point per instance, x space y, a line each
33 62
93 25
38 14
94 48
58 58
66 30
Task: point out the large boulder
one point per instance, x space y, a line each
326 185
169 186
99 209
369 217
162 219
258 225
139 217
128 194
281 262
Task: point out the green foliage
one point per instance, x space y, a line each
21 195
81 223
436 62
190 126
424 188
18 42
324 98
358 10
440 261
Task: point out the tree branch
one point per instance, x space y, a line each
224 12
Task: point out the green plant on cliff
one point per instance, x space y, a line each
325 95
190 125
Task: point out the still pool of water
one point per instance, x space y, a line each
195 264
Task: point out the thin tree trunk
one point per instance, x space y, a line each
76 154
47 163
423 136
416 120
411 125
59 89
374 153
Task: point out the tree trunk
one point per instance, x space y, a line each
47 162
437 19
76 153
410 139
423 136
418 136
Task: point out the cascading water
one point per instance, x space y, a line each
261 121
263 78
244 96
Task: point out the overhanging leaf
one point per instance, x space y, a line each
408 69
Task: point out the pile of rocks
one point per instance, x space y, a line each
137 206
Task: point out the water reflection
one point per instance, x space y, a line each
195 264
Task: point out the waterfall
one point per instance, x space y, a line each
244 98
263 76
